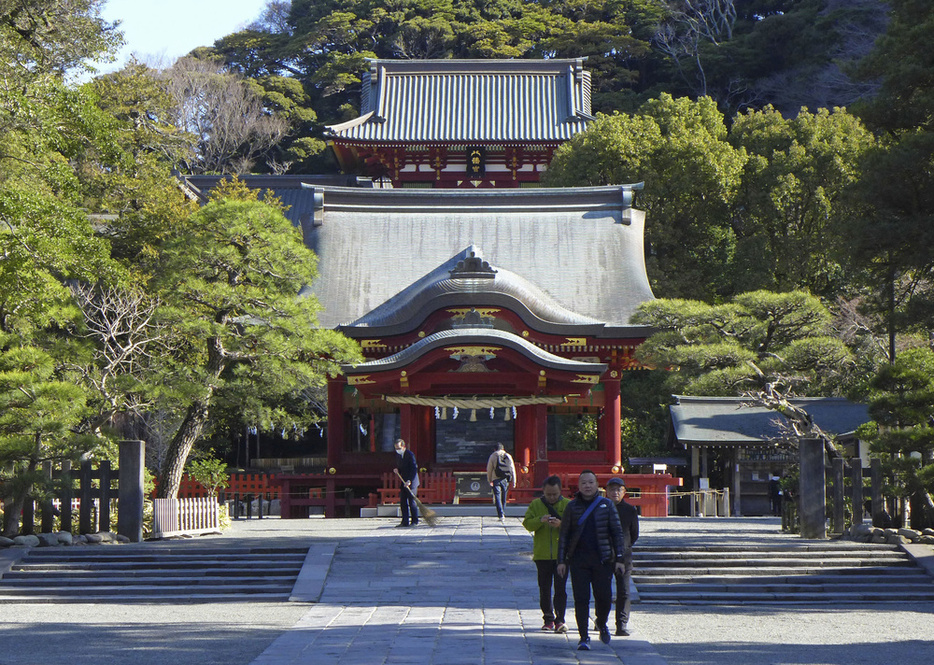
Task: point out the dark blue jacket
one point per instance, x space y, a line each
609 532
408 467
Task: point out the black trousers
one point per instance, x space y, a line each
588 572
548 576
623 602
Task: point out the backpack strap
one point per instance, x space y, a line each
583 518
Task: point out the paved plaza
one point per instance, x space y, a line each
460 593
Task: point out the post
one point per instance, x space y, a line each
837 510
87 498
104 523
812 498
878 507
856 477
130 490
46 517
67 493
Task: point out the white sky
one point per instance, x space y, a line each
164 30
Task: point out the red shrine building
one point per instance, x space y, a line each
487 312
463 123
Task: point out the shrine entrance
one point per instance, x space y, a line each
465 441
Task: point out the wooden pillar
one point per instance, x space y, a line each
130 490
856 476
875 493
610 437
335 420
422 445
837 512
812 498
407 427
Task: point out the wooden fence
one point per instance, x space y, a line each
174 517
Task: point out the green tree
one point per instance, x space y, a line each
901 63
680 149
891 235
211 473
38 413
232 283
792 210
901 403
760 339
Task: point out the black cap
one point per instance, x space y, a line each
615 481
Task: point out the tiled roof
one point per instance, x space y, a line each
470 101
718 421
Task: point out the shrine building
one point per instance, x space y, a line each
487 312
463 123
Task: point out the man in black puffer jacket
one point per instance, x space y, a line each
591 544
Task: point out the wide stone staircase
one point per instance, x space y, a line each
830 572
152 574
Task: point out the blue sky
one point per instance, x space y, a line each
168 29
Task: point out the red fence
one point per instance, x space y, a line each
240 483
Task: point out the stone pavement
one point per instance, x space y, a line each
460 593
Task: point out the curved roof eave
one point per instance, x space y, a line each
474 336
445 283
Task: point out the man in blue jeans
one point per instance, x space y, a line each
500 471
591 545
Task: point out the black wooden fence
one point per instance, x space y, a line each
122 487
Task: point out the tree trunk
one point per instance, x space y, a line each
173 466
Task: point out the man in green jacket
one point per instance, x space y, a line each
543 520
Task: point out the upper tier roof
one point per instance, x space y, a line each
470 101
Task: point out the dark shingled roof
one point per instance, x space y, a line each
470 101
725 421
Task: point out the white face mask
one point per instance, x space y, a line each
401 451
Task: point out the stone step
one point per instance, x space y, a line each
147 580
768 598
772 563
880 577
191 564
41 556
75 573
760 555
706 588
129 598
147 549
118 589
827 546
813 573
153 574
